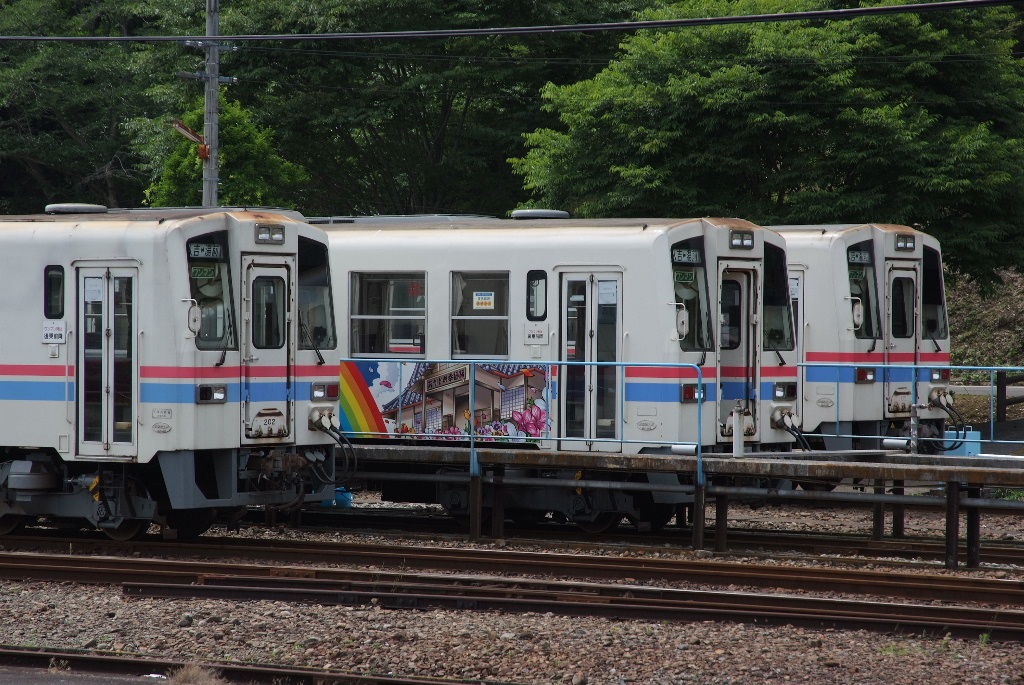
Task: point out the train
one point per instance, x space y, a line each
869 302
634 336
163 366
190 363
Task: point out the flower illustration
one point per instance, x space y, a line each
533 420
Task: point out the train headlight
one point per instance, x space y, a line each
784 391
323 391
905 242
865 375
940 375
690 392
211 394
741 240
270 233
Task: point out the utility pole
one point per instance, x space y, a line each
209 142
211 118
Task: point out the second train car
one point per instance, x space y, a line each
613 335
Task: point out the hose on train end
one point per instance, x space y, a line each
801 439
944 401
789 422
328 423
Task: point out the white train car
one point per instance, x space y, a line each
573 327
870 298
162 366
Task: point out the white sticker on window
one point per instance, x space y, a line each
607 292
483 300
94 290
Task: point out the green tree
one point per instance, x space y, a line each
252 173
403 126
911 119
61 105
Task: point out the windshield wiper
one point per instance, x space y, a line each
227 338
770 346
305 331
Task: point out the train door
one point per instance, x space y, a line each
738 350
797 303
589 398
108 365
900 332
268 384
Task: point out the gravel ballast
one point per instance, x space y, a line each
527 648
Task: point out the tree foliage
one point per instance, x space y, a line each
408 126
61 105
251 171
911 119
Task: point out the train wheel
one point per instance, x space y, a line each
190 523
654 518
604 523
130 529
12 523
817 485
526 517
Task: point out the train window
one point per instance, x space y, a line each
689 282
778 309
536 295
53 292
902 307
388 313
269 309
480 314
732 314
209 277
932 297
860 262
316 315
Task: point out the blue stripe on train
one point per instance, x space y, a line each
185 393
663 392
37 391
846 374
156 393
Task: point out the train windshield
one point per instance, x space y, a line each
316 314
689 279
209 278
932 297
860 259
778 313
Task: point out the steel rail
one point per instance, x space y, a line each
672 605
109 663
739 539
105 570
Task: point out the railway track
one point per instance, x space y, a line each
746 541
106 664
404 589
605 566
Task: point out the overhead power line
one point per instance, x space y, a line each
819 15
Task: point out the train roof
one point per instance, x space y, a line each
803 234
826 229
101 218
469 222
75 212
